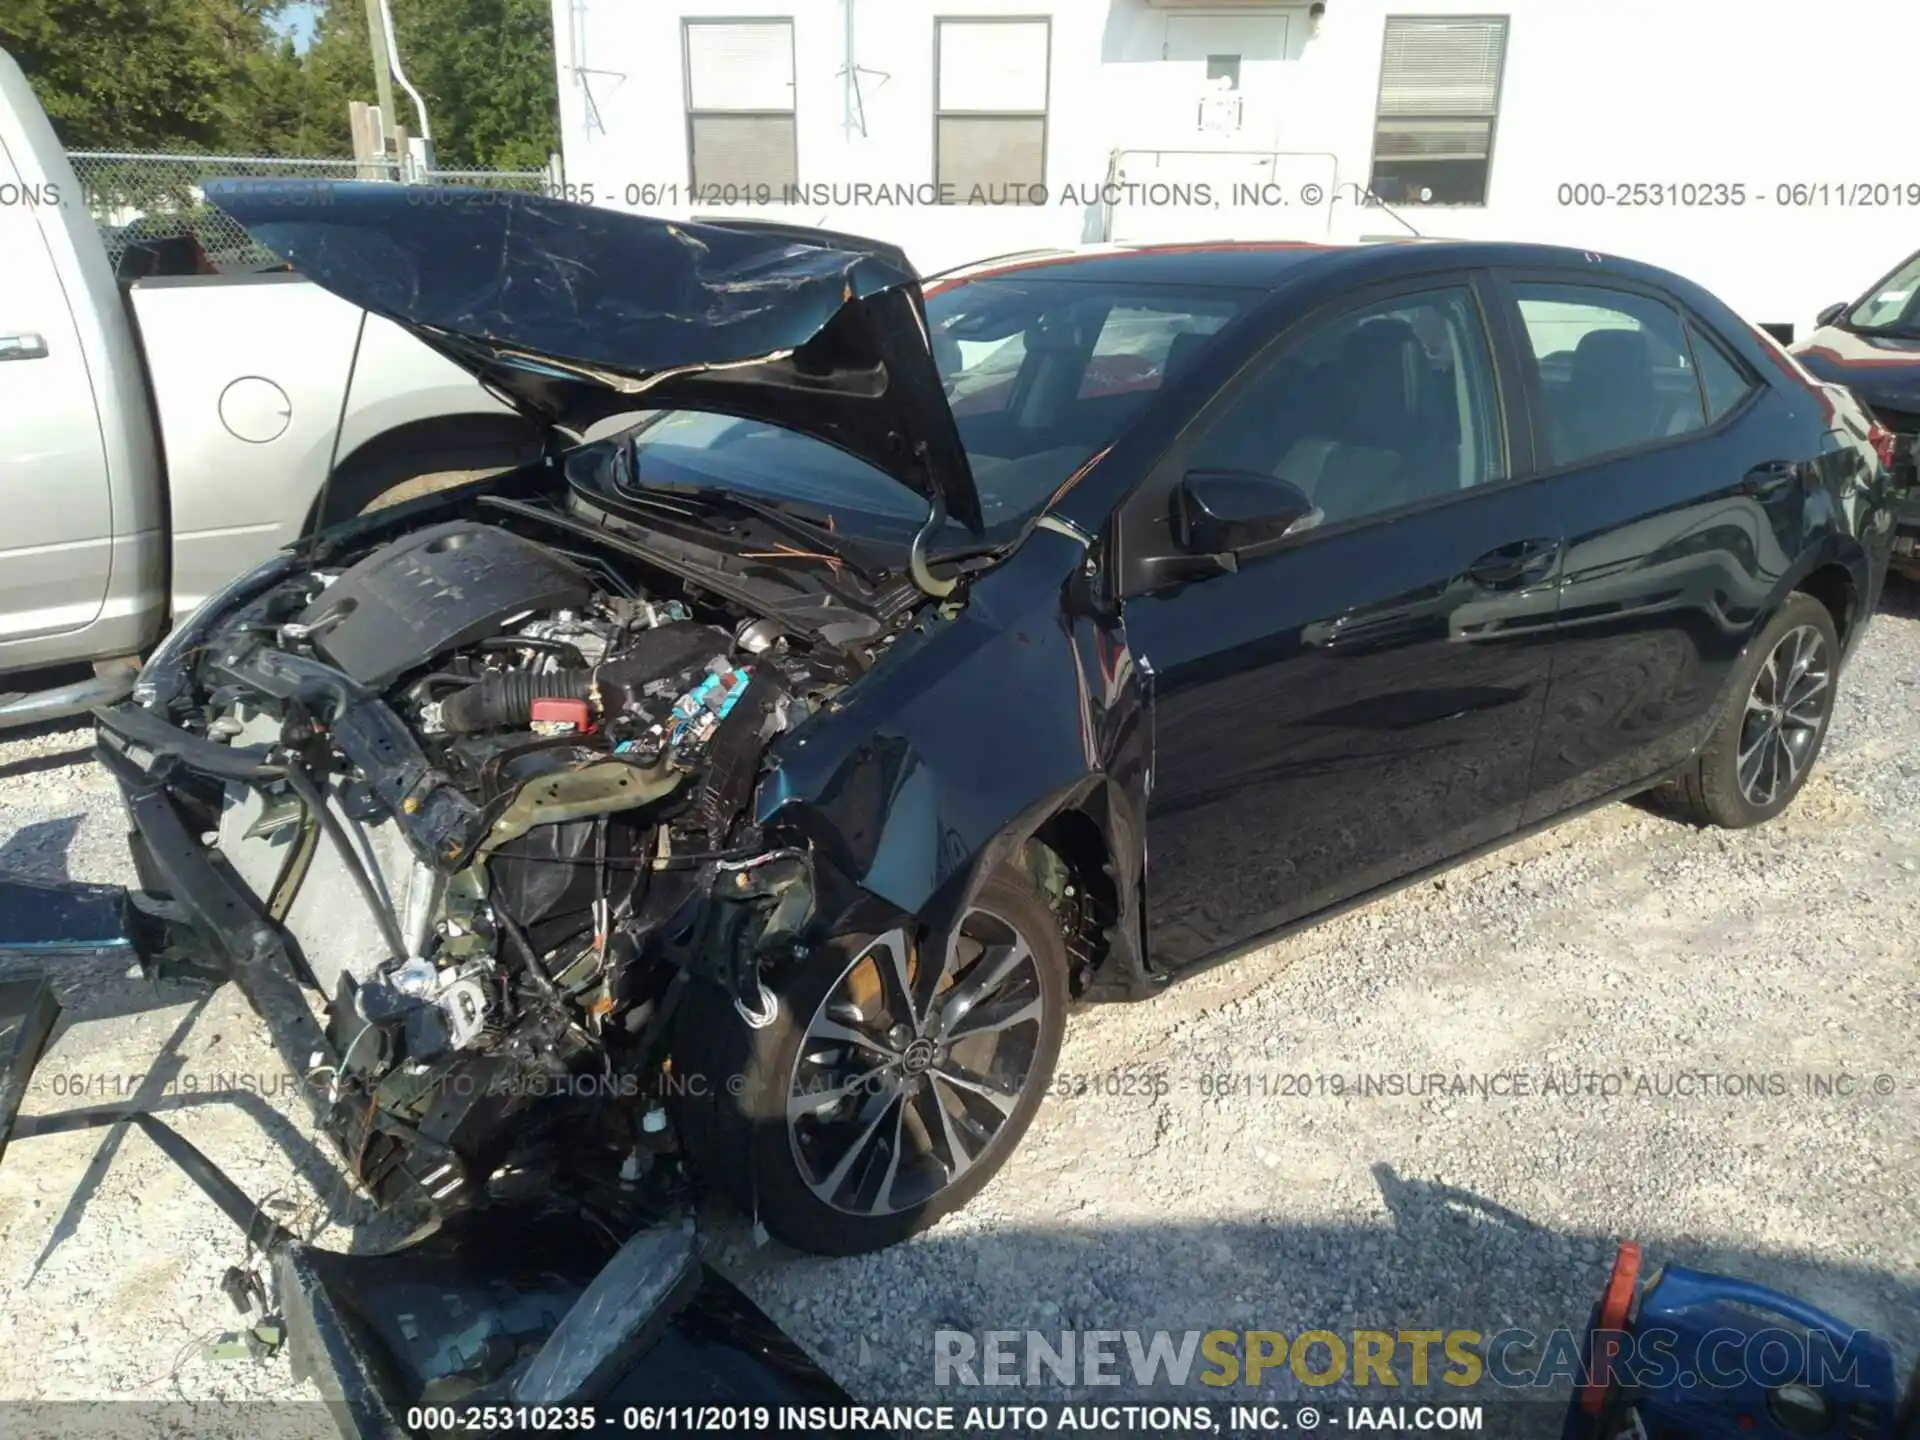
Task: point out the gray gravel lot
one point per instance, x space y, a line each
1663 985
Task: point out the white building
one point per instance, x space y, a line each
1771 151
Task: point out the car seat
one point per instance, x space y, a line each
1612 402
1389 451
1180 354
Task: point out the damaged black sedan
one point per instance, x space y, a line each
744 795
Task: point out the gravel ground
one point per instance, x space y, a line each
1212 1174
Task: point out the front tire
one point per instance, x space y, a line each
1780 702
887 1092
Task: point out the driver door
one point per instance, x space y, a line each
1359 699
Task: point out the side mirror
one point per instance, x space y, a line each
1222 512
1830 314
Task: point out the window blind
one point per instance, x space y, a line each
993 65
740 65
1442 66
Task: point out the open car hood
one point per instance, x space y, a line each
574 313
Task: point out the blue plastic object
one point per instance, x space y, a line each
714 696
1705 1357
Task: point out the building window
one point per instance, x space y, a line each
990 110
741 147
1439 99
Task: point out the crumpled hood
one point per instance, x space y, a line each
576 312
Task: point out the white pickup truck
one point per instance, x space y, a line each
159 437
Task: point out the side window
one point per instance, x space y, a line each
1723 380
1383 407
1615 371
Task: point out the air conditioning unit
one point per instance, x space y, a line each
1222 5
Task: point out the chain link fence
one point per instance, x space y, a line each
145 196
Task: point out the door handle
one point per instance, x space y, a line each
1520 562
1768 480
23 345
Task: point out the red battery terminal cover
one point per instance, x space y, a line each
559 717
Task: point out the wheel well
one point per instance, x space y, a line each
1067 858
422 447
1832 586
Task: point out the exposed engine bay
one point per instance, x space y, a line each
510 778
498 805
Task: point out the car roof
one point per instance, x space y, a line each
1270 264
1246 264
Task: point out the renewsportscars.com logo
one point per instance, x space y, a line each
1514 1359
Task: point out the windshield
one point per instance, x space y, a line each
1041 374
1892 304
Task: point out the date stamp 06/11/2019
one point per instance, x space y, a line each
1647 196
1837 194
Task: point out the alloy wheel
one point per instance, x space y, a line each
1785 709
907 1073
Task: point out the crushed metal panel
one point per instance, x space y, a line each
576 313
28 1010
61 917
325 1351
615 1319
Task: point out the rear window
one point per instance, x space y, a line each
1136 343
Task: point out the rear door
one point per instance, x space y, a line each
1359 700
1677 474
56 537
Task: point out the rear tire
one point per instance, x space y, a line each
842 1146
1779 704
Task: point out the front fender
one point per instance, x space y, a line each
945 759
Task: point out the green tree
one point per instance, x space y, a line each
485 68
337 68
140 74
211 75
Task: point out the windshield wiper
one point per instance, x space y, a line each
800 529
795 526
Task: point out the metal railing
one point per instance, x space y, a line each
146 195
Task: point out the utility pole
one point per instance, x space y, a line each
377 39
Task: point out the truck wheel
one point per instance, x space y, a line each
1779 703
883 1095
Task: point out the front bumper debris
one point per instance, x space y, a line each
214 909
66 918
519 1304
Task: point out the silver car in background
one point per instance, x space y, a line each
160 437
